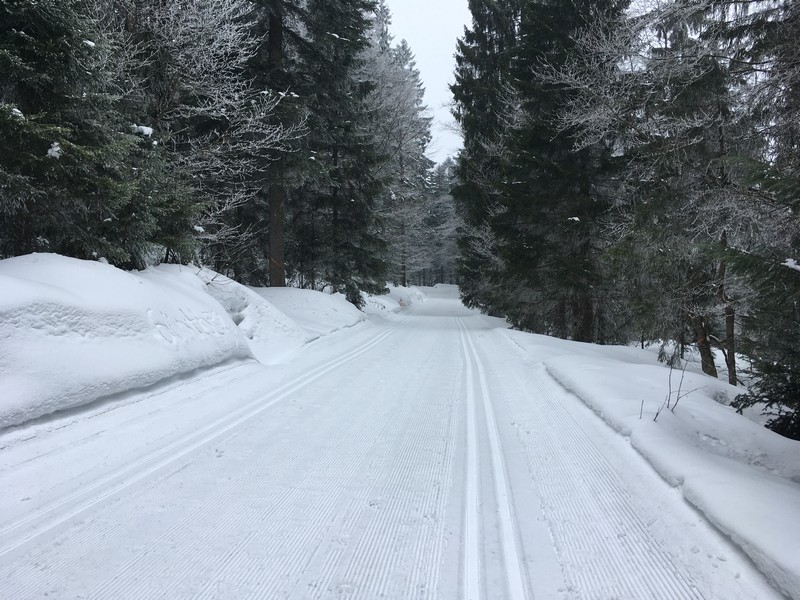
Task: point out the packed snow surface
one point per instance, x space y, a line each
423 451
743 477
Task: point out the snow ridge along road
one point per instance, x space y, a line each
50 516
419 457
516 589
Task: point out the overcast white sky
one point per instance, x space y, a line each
431 27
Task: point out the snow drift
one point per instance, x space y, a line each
271 335
742 477
316 312
396 299
74 331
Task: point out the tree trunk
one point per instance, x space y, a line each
277 200
730 314
584 311
277 189
701 334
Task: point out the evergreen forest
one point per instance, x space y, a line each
630 170
631 173
273 140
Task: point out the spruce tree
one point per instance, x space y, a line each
335 239
483 74
401 132
65 181
523 184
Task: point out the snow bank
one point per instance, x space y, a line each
743 477
376 305
73 331
317 313
396 299
271 335
406 296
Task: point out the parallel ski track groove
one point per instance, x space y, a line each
74 504
182 530
636 565
515 576
472 585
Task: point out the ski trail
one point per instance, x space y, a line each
387 541
515 579
50 516
265 489
471 543
606 549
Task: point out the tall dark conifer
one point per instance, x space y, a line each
65 182
335 240
528 193
483 71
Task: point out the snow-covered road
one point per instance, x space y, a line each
423 455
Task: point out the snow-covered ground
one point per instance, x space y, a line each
741 476
207 440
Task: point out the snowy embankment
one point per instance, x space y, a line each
317 313
397 298
744 478
73 332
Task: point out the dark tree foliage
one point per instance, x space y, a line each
634 176
333 234
483 63
523 184
66 184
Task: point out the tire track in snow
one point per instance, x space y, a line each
515 578
605 547
47 518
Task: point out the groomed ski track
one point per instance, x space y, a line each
419 456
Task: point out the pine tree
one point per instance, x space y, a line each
772 319
401 133
537 199
483 73
335 239
277 24
441 225
212 128
65 180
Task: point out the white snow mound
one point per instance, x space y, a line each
396 299
317 313
271 335
743 477
74 331
406 296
